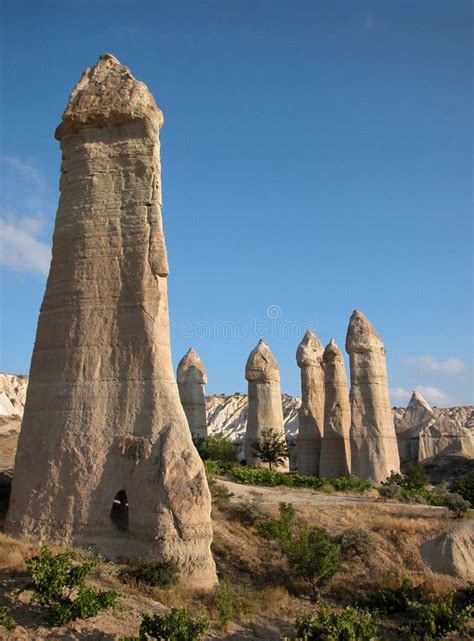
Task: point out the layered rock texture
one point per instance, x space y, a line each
192 377
309 358
335 448
374 449
264 399
424 432
103 418
452 552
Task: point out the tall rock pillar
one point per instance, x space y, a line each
309 357
335 448
103 418
192 377
374 449
265 408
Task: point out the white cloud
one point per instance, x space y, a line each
20 249
429 365
30 173
433 395
400 394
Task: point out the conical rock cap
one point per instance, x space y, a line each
310 350
191 369
361 335
261 364
332 352
108 95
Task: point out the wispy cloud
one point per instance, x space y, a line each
433 395
430 365
23 246
20 249
30 173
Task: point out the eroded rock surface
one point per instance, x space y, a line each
335 448
265 408
374 449
103 415
452 552
192 377
309 357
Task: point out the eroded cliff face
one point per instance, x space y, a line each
102 413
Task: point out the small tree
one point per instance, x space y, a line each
271 448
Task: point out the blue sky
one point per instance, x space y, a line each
317 158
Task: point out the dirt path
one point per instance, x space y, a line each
304 496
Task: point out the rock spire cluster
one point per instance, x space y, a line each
191 376
103 418
265 409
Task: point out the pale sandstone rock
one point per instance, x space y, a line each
335 448
309 358
452 552
374 449
265 408
103 413
192 377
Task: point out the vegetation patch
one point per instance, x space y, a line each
174 625
59 585
351 624
6 619
156 574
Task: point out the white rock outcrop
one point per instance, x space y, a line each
309 358
374 448
191 376
335 447
264 399
103 416
452 552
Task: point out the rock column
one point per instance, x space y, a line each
335 448
265 408
309 357
192 377
103 421
374 449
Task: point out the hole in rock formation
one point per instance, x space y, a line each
119 511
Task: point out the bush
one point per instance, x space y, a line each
431 621
313 557
416 478
464 485
219 448
278 529
6 619
220 495
391 491
163 575
464 598
351 624
390 600
56 579
271 448
350 484
174 625
355 543
250 511
456 504
225 603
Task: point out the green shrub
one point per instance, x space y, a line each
174 625
391 491
271 448
59 585
464 598
6 619
313 557
250 511
431 621
351 624
457 505
164 574
278 529
464 485
225 602
397 599
220 448
350 484
416 478
355 543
